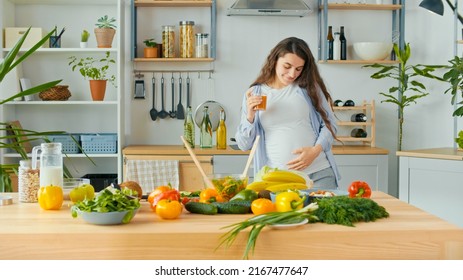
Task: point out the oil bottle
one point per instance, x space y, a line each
222 132
205 139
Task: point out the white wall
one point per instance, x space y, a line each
244 42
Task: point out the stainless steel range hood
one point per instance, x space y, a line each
294 8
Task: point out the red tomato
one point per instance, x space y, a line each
172 195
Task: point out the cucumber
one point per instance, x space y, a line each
234 207
201 208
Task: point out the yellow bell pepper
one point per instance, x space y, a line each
288 201
50 197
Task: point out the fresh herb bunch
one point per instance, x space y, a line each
346 211
257 223
106 22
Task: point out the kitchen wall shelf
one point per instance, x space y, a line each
175 59
343 115
172 4
79 114
324 7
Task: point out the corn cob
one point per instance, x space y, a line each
287 186
261 185
283 176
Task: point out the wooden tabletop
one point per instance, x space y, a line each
180 150
437 153
27 232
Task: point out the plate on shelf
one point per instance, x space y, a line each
214 108
289 226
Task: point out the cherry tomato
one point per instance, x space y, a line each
262 206
169 209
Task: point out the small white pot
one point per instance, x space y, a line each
83 44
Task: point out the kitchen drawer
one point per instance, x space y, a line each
189 175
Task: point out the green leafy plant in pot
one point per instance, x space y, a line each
96 70
105 31
12 137
407 84
151 49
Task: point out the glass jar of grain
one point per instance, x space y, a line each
187 39
168 41
28 182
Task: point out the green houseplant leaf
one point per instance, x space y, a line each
409 90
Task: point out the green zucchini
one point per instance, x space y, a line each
234 207
201 208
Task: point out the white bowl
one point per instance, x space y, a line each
373 50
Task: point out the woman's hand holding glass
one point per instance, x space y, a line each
251 103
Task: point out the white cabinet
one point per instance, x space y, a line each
79 114
431 179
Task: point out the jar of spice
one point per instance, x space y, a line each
168 41
202 46
187 39
28 182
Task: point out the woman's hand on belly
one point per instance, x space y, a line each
306 155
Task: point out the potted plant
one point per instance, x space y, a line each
105 31
151 49
84 38
17 140
404 74
96 70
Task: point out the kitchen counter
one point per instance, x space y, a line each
437 153
180 150
27 232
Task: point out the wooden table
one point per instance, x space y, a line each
27 232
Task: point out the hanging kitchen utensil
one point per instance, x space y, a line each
180 111
163 114
198 165
188 90
153 111
172 84
214 113
251 156
139 86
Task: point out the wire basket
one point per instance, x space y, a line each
55 93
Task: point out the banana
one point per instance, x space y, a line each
261 185
287 186
283 176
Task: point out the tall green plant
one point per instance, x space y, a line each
14 141
409 89
454 76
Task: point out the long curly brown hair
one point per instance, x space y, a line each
309 78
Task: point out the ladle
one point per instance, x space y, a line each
172 82
153 111
251 156
193 156
163 114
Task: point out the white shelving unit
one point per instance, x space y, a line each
79 114
323 14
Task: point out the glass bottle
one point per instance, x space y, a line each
202 46
358 133
205 139
342 38
360 117
168 41
338 103
330 40
336 47
222 132
189 128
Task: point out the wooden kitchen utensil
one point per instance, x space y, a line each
193 156
251 156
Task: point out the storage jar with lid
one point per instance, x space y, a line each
28 182
202 46
187 39
168 41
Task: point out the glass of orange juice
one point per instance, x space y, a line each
263 104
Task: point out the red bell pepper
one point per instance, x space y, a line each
359 189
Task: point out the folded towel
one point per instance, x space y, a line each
152 173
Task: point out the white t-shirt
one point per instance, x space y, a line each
287 126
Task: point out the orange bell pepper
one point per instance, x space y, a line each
50 197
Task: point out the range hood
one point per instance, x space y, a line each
294 8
